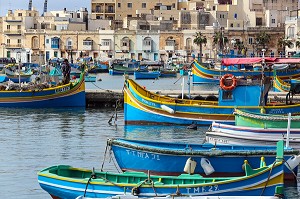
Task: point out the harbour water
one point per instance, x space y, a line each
32 139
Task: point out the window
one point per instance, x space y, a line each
35 26
173 5
119 5
19 27
105 43
250 40
47 41
55 53
169 7
147 42
29 14
78 15
273 21
87 43
129 15
8 41
144 5
129 5
97 8
20 14
8 54
57 14
227 95
231 25
124 43
8 27
19 41
291 32
259 21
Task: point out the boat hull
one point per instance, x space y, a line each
257 120
69 95
146 75
230 134
162 158
263 182
202 74
144 107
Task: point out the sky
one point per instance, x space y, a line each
6 5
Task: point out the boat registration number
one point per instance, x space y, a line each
143 155
203 189
60 90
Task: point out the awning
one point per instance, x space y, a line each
250 60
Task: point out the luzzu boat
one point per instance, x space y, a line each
68 95
146 74
284 86
66 182
231 134
266 121
166 158
203 74
144 107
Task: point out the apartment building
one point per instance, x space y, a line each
14 24
2 54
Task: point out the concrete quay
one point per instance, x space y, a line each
96 98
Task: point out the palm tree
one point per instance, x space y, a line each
200 39
262 38
283 42
219 39
298 44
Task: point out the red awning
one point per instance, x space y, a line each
250 60
287 61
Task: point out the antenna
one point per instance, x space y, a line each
30 5
45 6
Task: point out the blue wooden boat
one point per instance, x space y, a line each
146 74
165 158
144 107
244 67
66 182
68 95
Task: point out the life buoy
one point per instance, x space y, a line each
228 87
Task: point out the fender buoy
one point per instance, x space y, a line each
225 86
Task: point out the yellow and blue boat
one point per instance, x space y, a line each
144 107
66 182
68 95
242 67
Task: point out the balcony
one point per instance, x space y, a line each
110 11
170 48
12 32
8 46
87 45
105 48
147 48
13 19
188 48
125 49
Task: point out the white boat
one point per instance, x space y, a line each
230 134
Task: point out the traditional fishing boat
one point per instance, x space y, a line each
146 74
165 158
243 67
266 121
144 107
284 86
64 181
230 134
44 95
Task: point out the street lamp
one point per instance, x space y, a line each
19 66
